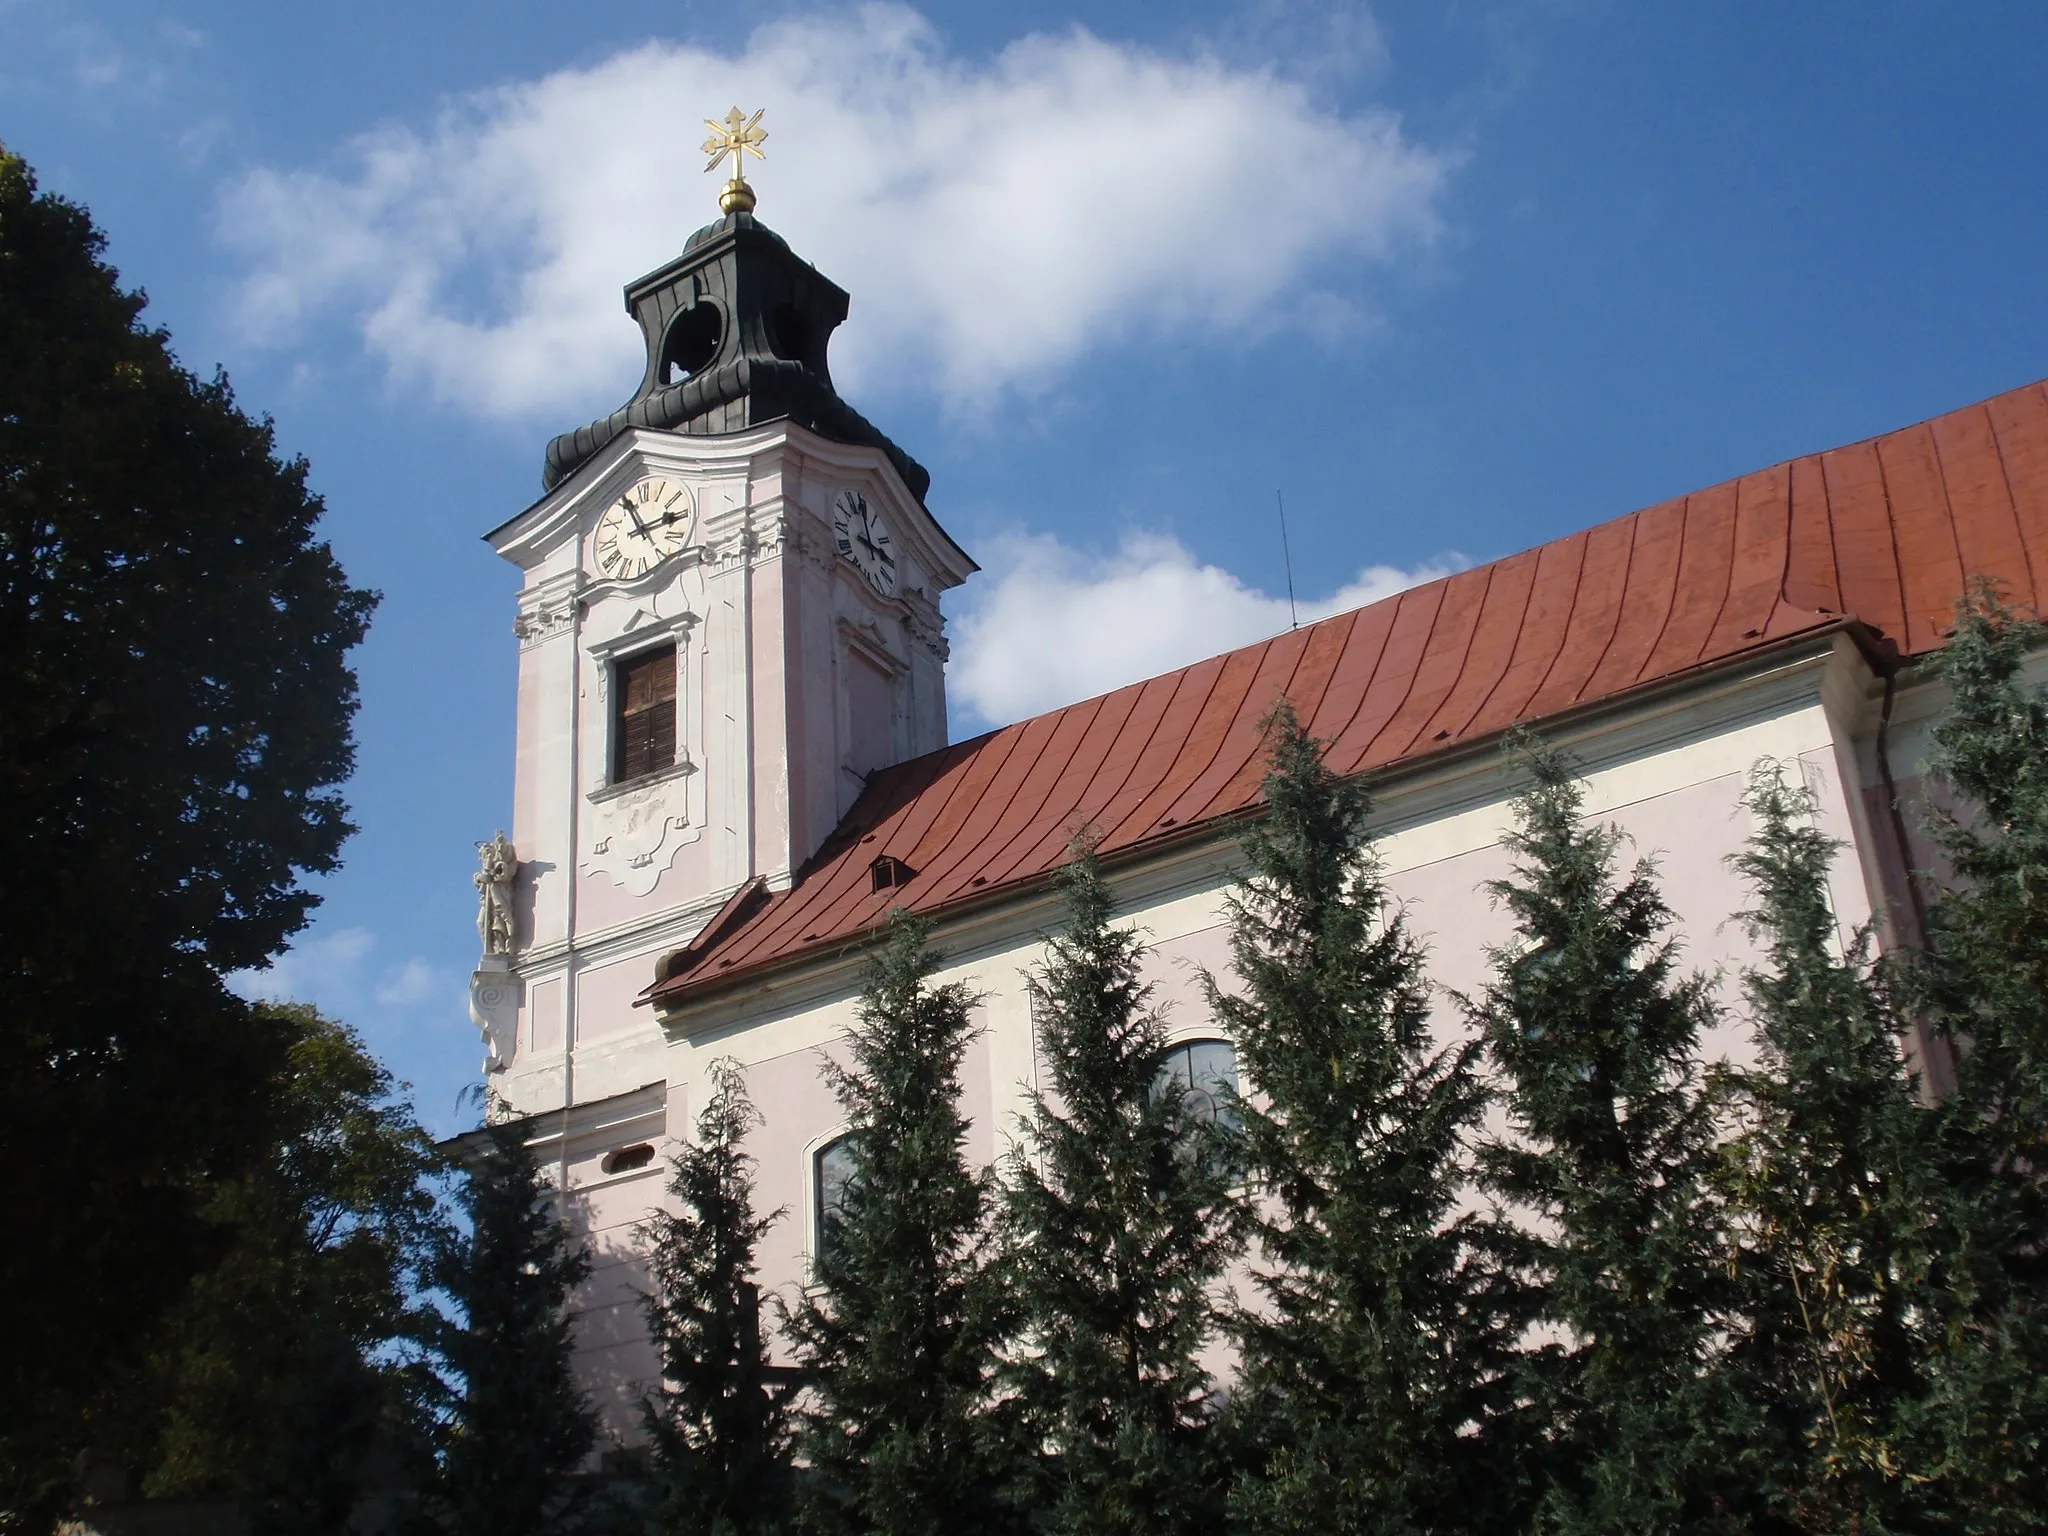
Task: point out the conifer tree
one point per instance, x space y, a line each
1989 982
1981 986
1609 1155
903 1328
1374 1386
1830 1181
1988 967
511 1425
721 1433
1117 1220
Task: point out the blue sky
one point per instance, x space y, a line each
1457 278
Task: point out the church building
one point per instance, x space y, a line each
732 753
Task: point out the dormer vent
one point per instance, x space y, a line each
888 872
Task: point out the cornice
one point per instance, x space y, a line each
668 929
548 609
608 1115
527 536
1662 717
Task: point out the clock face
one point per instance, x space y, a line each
863 540
643 528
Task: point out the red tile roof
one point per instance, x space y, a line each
1880 532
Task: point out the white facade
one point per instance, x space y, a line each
795 677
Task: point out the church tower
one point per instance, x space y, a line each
730 617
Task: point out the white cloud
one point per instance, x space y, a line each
413 982
413 1014
1059 625
339 972
993 218
317 966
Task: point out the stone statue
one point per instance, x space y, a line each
494 888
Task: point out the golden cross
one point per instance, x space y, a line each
738 136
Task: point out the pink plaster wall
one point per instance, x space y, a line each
602 903
771 711
799 1112
1173 968
1687 833
530 753
544 1010
604 997
613 1361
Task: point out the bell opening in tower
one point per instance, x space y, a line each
692 342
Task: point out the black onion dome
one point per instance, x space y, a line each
737 329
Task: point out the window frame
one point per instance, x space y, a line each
1189 1043
599 711
814 1179
620 665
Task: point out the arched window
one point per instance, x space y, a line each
831 1172
1204 1074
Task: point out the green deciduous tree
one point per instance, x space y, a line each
1610 1153
277 1378
1831 1180
175 707
508 1424
721 1432
1117 1218
903 1325
1376 1389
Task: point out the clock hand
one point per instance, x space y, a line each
633 513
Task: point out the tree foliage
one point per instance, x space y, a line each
1980 987
1832 1185
902 1326
721 1433
275 1380
508 1424
1609 1157
175 709
1376 1375
1988 980
1117 1220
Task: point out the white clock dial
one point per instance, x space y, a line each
864 540
642 528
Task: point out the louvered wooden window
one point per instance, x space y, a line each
644 726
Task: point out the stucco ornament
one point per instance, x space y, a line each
498 867
640 832
494 997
